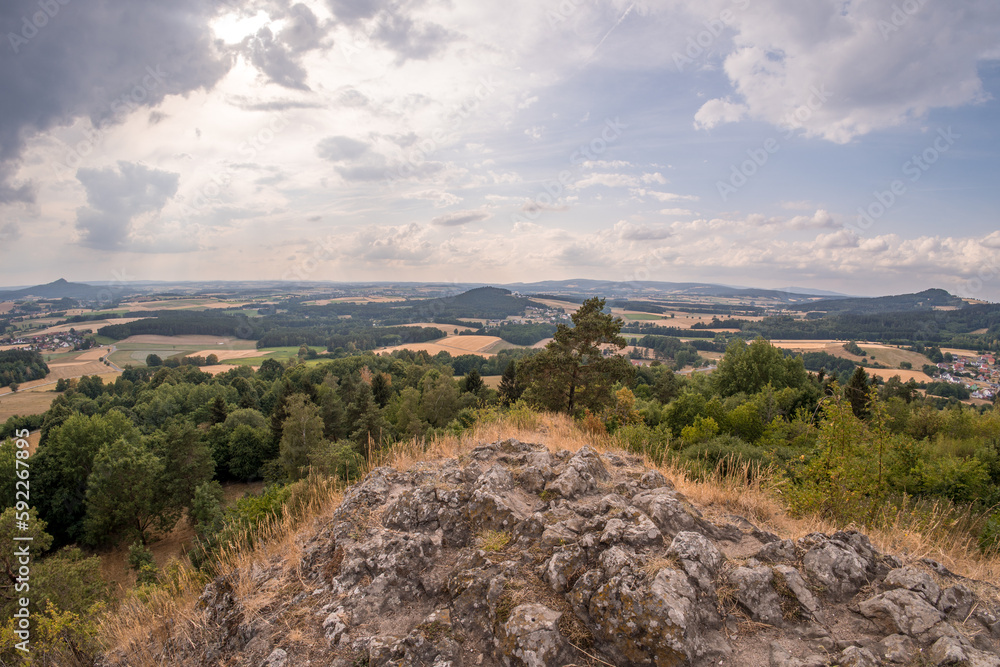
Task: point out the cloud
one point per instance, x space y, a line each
459 218
630 232
115 198
95 60
337 149
838 70
714 112
662 196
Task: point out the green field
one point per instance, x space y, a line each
279 353
642 316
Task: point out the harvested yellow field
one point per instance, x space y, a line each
886 373
221 368
24 403
887 355
93 354
456 345
11 347
6 306
230 354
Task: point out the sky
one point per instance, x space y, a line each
846 145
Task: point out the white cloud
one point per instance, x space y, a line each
839 70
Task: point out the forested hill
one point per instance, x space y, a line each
901 303
939 326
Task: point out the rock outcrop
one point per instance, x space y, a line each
512 555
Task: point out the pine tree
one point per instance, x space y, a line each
510 388
572 373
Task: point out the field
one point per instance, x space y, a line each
6 306
886 373
25 403
486 346
887 355
432 325
183 304
134 349
92 325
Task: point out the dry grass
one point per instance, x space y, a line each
143 620
147 617
25 403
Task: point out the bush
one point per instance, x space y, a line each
989 539
338 459
725 453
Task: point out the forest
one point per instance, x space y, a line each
121 463
17 366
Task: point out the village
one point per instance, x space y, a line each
980 373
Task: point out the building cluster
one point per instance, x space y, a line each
51 342
977 372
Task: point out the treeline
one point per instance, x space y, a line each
657 330
17 366
347 336
521 334
185 323
669 347
952 327
716 323
640 306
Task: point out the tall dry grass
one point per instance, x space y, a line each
148 617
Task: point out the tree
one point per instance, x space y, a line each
749 368
366 418
124 494
301 432
63 464
206 509
219 410
187 462
40 541
473 382
381 389
510 388
248 449
856 391
153 360
572 373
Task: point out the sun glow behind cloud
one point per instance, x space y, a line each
460 139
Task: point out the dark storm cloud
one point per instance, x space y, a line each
115 197
85 57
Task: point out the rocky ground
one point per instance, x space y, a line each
512 555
